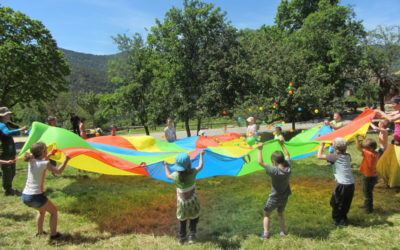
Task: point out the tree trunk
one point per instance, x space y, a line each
187 127
381 96
198 125
146 128
293 124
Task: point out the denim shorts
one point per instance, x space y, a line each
34 200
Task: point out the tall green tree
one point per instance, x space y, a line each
382 51
89 102
133 74
193 41
31 65
291 14
329 39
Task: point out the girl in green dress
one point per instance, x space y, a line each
188 207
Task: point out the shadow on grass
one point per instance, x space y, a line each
125 204
232 207
75 239
17 217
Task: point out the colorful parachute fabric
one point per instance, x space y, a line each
226 154
388 167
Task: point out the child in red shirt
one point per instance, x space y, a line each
368 169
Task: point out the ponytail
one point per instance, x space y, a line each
28 157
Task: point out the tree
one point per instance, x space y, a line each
329 39
382 51
291 15
194 41
31 65
133 73
89 102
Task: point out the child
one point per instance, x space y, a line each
280 173
52 121
368 169
335 124
82 128
343 194
113 130
188 207
337 121
388 166
383 134
251 128
33 195
278 134
170 131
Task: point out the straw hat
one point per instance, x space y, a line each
4 111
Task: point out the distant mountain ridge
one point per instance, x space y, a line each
89 72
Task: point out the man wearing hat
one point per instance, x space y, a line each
8 151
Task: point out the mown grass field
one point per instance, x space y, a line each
98 212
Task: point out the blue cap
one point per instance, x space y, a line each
182 162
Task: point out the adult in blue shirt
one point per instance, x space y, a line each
8 151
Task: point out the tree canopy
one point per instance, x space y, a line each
31 65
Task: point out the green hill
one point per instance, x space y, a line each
89 72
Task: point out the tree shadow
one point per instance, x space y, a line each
76 239
17 217
125 204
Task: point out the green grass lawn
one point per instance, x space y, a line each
99 211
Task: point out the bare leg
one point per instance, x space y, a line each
52 209
281 222
39 221
266 221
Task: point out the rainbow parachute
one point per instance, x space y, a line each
225 154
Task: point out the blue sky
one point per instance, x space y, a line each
88 25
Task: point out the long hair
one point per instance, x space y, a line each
183 174
36 149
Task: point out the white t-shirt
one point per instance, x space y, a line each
35 178
251 130
170 133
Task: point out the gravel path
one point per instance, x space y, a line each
219 131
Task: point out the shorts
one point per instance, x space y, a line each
274 203
34 200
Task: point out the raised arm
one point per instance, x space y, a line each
390 118
321 148
285 151
201 162
167 173
59 169
260 159
358 146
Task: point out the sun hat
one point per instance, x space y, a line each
250 119
182 162
396 99
4 111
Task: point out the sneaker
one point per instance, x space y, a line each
265 236
181 241
40 234
282 234
192 239
57 236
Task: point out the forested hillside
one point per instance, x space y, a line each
88 72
